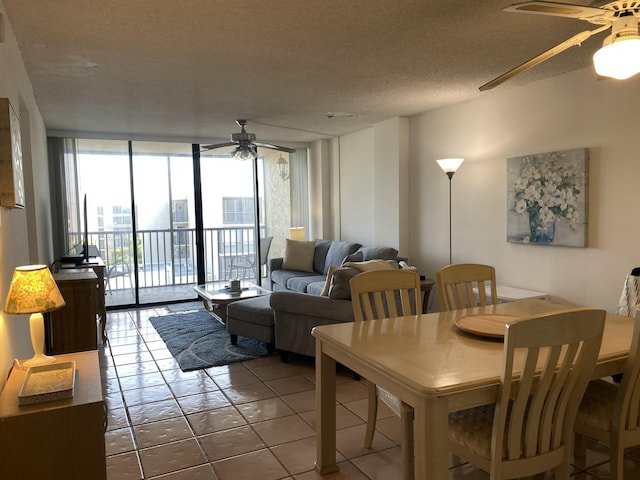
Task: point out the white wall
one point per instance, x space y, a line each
374 187
25 234
356 187
570 111
390 186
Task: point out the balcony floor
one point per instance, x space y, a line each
117 298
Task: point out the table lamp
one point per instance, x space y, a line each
33 290
297 233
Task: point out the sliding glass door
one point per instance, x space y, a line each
165 218
103 175
165 226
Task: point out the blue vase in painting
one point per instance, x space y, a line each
541 231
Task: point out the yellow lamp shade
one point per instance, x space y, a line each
33 290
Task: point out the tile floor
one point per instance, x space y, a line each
244 421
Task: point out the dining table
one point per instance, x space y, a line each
437 364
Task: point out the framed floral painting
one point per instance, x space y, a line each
547 198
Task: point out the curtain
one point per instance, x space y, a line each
299 186
65 207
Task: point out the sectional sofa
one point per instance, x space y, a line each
316 292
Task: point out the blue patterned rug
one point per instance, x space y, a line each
197 340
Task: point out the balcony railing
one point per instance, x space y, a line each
168 257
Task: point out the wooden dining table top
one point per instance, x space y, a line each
434 357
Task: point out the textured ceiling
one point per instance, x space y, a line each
188 68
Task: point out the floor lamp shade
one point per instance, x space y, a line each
450 165
33 290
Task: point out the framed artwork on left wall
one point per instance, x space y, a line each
11 177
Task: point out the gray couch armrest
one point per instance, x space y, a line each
273 264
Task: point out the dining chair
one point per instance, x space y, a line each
382 294
547 363
609 412
456 284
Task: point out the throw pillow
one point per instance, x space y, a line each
340 287
298 255
354 257
370 265
327 283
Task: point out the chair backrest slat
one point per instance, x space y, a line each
385 293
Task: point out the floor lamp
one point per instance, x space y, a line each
450 166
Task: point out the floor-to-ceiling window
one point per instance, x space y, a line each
164 218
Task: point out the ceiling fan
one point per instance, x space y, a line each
247 147
620 55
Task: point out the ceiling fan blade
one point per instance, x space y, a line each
577 39
206 148
275 147
556 9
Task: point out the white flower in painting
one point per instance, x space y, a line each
546 215
520 183
521 206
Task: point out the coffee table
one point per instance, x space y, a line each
216 296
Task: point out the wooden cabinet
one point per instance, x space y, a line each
74 328
97 265
62 439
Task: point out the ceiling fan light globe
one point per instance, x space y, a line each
244 153
619 59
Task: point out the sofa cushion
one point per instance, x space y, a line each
252 310
338 251
354 257
315 288
299 284
298 255
281 277
340 282
382 253
320 255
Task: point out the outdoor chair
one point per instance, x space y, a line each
245 265
382 294
547 363
463 285
119 270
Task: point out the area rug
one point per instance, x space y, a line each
197 340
